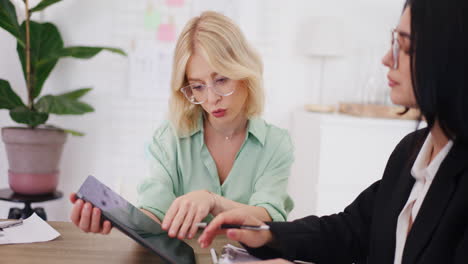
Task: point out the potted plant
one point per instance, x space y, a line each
34 150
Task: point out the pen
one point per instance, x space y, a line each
227 226
7 224
214 257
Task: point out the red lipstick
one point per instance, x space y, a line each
392 83
219 113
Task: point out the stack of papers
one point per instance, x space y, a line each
33 229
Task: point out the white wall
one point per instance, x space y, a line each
113 148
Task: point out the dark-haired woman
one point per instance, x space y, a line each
418 211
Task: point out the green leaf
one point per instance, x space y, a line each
23 115
8 98
62 105
9 20
76 94
45 41
87 52
43 4
69 131
73 132
79 53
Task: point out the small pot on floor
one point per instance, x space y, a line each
33 158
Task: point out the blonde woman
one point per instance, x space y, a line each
216 153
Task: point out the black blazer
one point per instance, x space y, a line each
365 231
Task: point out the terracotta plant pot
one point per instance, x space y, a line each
33 158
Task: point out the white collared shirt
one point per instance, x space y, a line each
424 174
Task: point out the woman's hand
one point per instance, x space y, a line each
186 211
237 216
87 218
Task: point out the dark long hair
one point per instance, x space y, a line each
439 59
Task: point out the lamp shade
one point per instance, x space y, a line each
324 37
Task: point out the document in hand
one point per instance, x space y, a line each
33 229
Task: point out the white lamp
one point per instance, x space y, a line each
323 38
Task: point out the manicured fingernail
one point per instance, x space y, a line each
231 234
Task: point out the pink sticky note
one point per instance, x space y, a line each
175 3
166 33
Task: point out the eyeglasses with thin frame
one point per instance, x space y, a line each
396 45
197 93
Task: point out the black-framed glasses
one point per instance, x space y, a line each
197 93
396 45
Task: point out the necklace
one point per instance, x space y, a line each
226 137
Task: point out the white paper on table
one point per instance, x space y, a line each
33 229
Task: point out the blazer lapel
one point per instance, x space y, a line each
434 204
383 246
402 192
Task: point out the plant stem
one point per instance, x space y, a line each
28 58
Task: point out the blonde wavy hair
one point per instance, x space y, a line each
225 48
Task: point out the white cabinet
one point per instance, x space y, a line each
337 157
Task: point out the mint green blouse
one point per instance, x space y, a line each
259 176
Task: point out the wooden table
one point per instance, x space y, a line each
75 246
